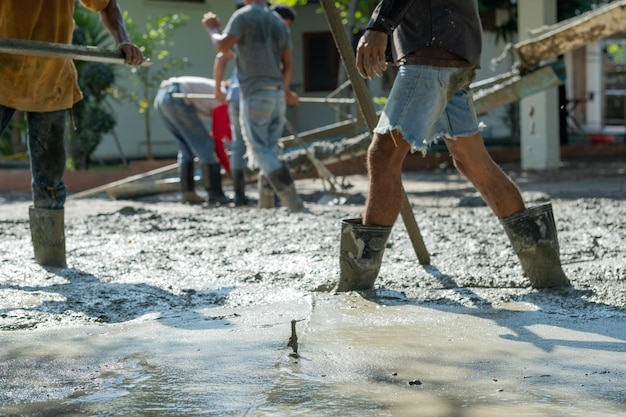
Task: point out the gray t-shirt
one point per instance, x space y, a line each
262 37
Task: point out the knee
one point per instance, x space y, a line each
388 149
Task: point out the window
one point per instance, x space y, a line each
614 81
321 62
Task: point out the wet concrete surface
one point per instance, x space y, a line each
172 310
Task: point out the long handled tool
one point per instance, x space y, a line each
61 50
369 113
326 100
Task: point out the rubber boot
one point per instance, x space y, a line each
212 180
361 254
282 184
47 229
187 185
532 233
266 193
239 185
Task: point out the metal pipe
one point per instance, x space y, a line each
60 50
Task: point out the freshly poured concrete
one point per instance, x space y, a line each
169 310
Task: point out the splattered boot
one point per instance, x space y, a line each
266 194
47 229
361 254
282 183
532 233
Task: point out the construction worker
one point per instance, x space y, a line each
437 47
45 88
183 118
264 77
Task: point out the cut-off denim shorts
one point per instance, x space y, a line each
428 103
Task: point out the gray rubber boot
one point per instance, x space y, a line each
47 230
266 193
532 233
187 184
212 180
361 254
282 184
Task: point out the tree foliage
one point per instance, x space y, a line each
565 10
92 116
154 40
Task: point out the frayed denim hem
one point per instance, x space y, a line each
421 144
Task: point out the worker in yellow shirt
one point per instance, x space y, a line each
45 88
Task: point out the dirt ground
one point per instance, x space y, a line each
152 257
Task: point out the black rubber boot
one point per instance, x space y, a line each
239 185
212 180
361 254
282 184
47 229
532 233
187 185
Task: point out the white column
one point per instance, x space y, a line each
594 87
539 116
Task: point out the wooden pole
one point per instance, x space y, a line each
364 102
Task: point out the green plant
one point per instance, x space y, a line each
154 41
92 117
12 141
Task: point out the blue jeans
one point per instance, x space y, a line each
182 120
263 119
238 145
46 146
428 103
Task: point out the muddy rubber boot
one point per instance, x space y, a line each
47 230
239 185
532 233
266 193
187 185
361 254
212 180
282 184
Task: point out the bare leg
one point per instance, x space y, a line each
384 162
474 162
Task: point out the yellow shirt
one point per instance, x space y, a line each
34 83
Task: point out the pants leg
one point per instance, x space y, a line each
46 144
238 146
263 120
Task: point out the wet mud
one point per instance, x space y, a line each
152 272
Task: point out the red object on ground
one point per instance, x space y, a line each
601 139
220 130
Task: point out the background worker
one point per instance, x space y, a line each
183 118
238 149
45 88
437 47
264 66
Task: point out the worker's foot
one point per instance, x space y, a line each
243 201
190 197
218 198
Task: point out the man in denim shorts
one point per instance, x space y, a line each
437 47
